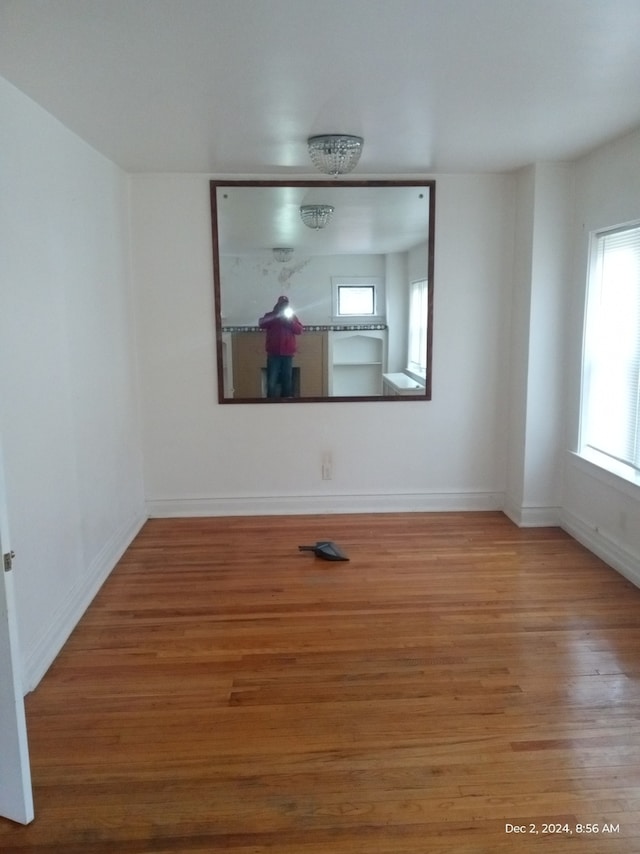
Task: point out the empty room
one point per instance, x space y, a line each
320 426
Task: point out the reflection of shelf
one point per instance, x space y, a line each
356 362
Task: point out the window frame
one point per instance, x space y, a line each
378 284
628 469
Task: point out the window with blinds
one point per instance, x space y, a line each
418 315
610 423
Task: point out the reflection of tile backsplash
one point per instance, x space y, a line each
338 327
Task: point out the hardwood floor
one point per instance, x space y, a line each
226 692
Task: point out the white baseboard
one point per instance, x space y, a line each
532 517
325 504
65 619
604 547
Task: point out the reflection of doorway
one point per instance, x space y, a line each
16 800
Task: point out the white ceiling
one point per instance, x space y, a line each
236 86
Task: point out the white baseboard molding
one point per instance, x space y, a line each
532 517
604 547
324 504
65 619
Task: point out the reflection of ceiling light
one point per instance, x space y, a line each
316 216
282 253
335 153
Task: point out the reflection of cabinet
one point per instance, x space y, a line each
402 385
227 365
249 360
357 359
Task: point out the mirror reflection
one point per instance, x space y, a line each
323 290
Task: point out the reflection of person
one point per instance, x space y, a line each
281 326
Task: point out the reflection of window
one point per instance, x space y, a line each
610 422
358 297
418 312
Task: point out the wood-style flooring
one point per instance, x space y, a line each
458 678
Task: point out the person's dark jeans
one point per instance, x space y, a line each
279 376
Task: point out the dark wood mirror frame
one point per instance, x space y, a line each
424 394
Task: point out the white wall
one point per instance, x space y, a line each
600 509
253 283
542 270
518 353
68 396
202 457
397 275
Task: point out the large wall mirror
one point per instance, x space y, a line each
341 272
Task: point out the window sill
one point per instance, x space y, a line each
403 384
418 376
608 471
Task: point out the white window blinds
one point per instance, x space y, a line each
418 315
611 380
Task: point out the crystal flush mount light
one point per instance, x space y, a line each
282 253
335 153
316 216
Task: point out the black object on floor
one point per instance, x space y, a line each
326 550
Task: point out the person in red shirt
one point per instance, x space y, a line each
282 326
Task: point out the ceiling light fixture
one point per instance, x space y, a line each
282 253
316 216
335 153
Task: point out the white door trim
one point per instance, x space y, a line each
16 797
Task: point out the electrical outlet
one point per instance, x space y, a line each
327 466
